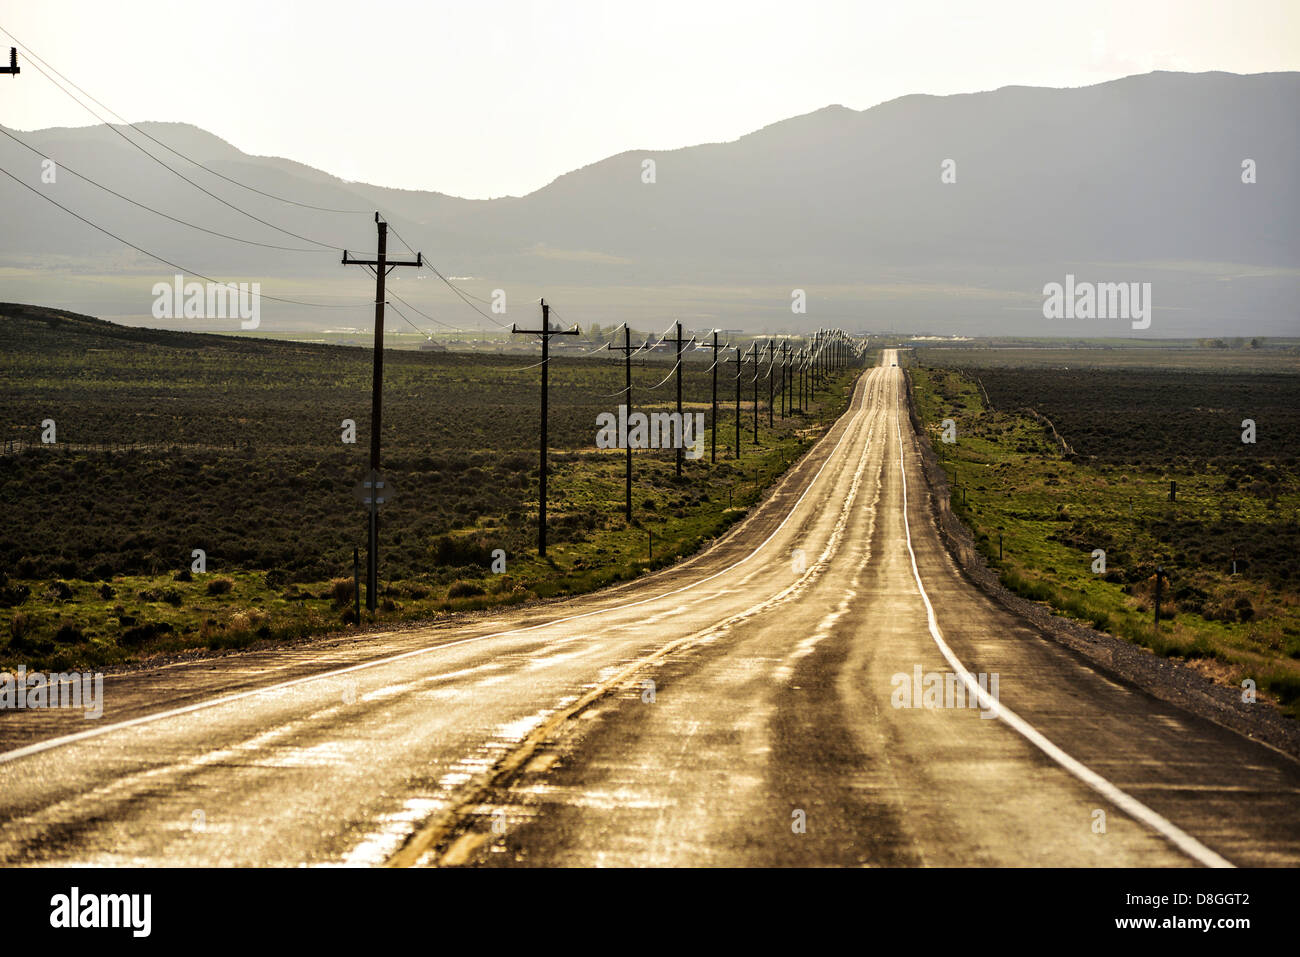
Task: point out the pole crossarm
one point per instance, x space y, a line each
350 260
575 331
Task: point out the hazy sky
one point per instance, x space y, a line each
485 99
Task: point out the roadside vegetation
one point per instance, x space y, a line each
1052 465
170 442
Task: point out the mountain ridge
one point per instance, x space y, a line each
1142 171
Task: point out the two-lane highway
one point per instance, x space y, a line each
743 707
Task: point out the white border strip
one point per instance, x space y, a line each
1126 802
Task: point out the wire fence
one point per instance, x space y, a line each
18 445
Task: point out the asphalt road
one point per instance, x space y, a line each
751 706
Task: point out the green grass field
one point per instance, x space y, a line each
170 442
1039 515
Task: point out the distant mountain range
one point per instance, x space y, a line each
1135 180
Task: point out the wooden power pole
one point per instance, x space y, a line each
713 458
678 339
545 332
627 350
380 266
771 367
739 360
785 378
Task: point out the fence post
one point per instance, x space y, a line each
1159 574
356 583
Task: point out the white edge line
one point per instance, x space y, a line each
1121 799
51 743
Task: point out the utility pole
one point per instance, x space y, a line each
813 354
713 457
781 392
771 365
627 350
380 266
785 376
796 394
803 379
680 451
753 348
739 360
818 360
546 332
806 369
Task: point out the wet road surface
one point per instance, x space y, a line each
764 703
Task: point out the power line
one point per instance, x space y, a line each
393 295
167 262
462 295
172 169
600 346
408 321
450 285
460 292
465 297
470 295
665 379
38 60
400 239
526 368
63 167
560 316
